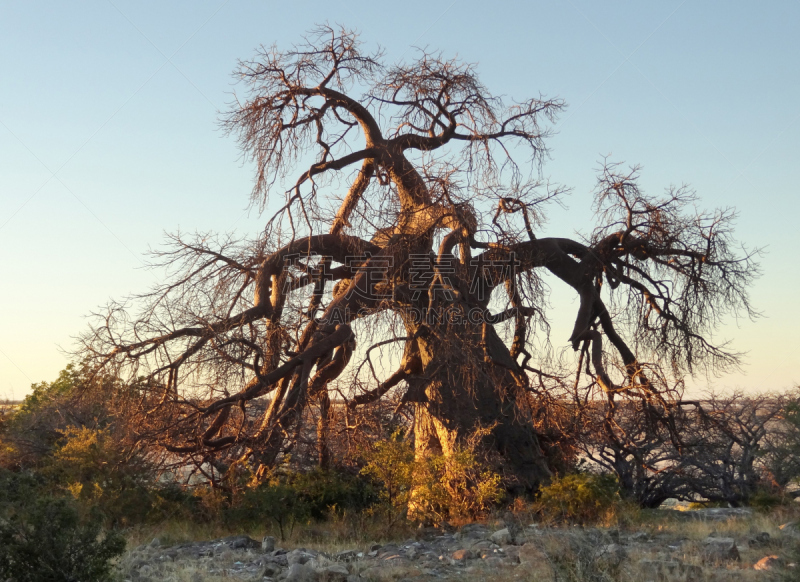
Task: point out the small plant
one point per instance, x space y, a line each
391 463
580 497
274 501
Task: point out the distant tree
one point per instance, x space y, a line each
724 445
411 227
780 454
75 399
641 447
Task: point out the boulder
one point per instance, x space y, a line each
473 531
502 537
271 569
301 573
268 544
298 557
333 573
463 555
240 542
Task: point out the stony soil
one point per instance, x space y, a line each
481 552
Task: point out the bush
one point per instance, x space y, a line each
391 464
432 488
580 498
47 539
277 502
72 432
297 497
326 492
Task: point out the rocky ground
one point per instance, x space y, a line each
711 545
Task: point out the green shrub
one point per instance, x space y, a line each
47 539
297 497
276 502
433 487
453 486
580 498
73 433
325 492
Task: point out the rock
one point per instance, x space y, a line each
511 553
345 556
240 542
791 528
667 570
271 569
759 540
333 573
297 557
768 563
388 551
319 562
301 573
481 545
720 549
502 537
375 547
463 555
268 544
536 563
156 543
473 531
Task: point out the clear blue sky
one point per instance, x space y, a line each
108 135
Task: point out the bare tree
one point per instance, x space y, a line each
409 224
641 447
725 445
780 451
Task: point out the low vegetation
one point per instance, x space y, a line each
77 483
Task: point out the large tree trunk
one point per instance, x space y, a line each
470 383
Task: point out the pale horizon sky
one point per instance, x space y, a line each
109 136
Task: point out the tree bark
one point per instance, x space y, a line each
470 387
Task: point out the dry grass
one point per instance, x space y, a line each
572 552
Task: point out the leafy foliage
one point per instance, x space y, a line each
434 487
297 497
580 497
47 539
74 432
